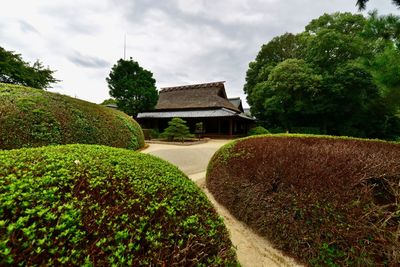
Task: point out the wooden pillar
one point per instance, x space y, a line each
230 126
219 125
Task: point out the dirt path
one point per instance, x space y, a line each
252 249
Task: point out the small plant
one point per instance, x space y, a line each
154 133
258 130
199 129
177 129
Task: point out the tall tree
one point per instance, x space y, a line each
362 4
287 96
133 87
340 76
277 50
13 69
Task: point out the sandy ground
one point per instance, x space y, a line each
252 249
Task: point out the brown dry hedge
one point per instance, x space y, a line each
32 117
326 201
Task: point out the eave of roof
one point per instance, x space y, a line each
204 113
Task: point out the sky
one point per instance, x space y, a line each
180 41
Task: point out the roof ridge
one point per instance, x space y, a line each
191 86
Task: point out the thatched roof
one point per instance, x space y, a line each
196 96
237 102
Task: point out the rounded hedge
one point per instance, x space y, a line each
32 117
325 201
96 205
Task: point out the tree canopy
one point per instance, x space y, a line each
14 70
132 87
362 4
340 76
109 101
177 129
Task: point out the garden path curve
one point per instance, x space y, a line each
252 249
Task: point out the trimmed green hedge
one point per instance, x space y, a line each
258 130
32 117
324 200
100 206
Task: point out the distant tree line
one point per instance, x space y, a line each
14 70
340 76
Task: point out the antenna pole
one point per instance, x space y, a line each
124 46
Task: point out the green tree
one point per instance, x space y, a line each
350 103
382 31
288 93
335 39
277 50
133 87
341 76
177 129
110 101
14 70
362 4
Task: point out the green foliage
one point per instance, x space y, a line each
362 4
339 76
314 190
151 134
110 101
258 130
199 128
288 93
154 133
91 205
177 129
16 71
31 118
133 87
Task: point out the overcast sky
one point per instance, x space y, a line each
180 41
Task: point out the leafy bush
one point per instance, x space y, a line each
177 129
306 130
325 201
258 130
31 118
154 133
100 206
150 134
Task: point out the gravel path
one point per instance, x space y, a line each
252 249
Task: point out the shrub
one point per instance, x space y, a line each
150 134
325 201
258 130
101 206
178 129
31 118
154 133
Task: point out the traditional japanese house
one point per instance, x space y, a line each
206 103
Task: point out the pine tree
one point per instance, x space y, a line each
177 129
